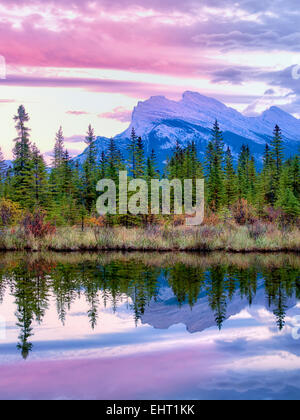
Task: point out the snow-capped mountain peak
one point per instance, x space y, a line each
161 122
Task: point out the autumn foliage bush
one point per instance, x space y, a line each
35 224
10 212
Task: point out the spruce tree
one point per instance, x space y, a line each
214 167
3 173
230 179
22 163
90 170
132 152
40 182
286 198
277 151
139 171
58 149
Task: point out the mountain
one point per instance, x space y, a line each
164 311
161 122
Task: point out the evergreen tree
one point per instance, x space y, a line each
286 198
295 176
214 167
139 171
151 169
3 173
277 151
132 152
230 180
102 165
90 171
22 164
40 184
59 149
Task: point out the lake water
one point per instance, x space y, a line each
149 326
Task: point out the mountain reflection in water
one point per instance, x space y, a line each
161 290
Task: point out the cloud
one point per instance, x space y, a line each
270 92
87 34
77 113
75 139
121 114
169 37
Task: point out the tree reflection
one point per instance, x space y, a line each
137 284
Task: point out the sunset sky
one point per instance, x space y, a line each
75 62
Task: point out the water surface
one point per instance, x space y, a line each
149 326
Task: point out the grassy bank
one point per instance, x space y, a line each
230 238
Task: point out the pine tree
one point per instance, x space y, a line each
40 182
295 176
22 164
151 169
56 176
214 168
251 196
113 160
102 165
286 198
90 171
277 151
266 182
230 180
139 171
3 173
59 149
243 171
132 152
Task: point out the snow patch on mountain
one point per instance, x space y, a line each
162 122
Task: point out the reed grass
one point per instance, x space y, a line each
204 238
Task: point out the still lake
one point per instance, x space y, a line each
149 326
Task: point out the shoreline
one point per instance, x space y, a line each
203 239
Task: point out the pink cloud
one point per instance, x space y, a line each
134 89
121 114
155 375
75 139
77 113
98 44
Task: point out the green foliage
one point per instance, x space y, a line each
214 169
67 191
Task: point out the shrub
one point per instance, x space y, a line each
10 212
271 215
243 213
210 218
34 224
256 230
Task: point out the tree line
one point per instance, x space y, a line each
67 190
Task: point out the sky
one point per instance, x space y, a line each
76 62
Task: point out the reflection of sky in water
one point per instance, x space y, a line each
249 358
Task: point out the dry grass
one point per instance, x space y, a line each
230 238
